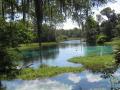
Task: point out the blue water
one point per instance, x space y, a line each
85 80
58 55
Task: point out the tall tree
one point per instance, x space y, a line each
91 30
107 12
39 16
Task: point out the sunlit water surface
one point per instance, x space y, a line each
58 55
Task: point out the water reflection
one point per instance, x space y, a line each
37 85
2 87
46 53
74 78
57 55
108 79
81 81
98 50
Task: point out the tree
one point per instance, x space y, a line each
91 30
48 33
64 6
101 38
107 27
11 35
117 29
107 12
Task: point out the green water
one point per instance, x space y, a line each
57 55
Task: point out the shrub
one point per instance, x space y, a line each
117 54
101 39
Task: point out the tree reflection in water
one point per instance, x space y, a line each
44 53
109 73
2 87
53 51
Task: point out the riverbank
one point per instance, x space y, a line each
73 39
47 71
35 45
95 63
113 42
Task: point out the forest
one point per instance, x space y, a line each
29 35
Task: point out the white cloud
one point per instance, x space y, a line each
116 74
93 78
74 78
43 85
116 6
113 5
69 24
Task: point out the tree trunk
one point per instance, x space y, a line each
12 12
39 15
28 8
3 11
24 10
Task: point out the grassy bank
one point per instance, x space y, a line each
113 42
95 63
48 71
73 39
35 45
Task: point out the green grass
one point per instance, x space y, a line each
113 42
35 45
95 63
28 74
73 38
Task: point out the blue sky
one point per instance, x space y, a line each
69 24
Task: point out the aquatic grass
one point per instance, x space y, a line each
95 63
48 71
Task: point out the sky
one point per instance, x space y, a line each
69 24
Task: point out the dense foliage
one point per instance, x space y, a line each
102 30
17 18
11 35
66 34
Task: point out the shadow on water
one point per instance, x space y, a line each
107 79
49 54
2 87
46 53
57 55
40 55
113 74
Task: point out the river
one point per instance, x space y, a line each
57 55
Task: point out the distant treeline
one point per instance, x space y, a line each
66 34
50 34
